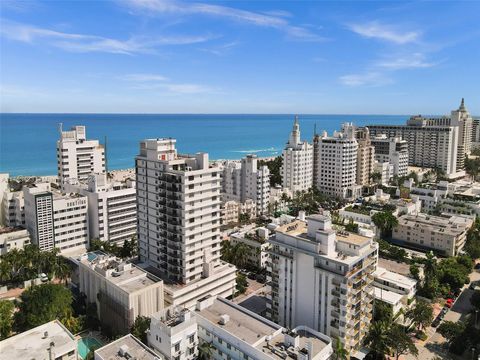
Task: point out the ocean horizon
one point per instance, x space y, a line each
28 140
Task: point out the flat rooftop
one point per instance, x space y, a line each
384 274
33 344
452 225
393 266
126 276
352 238
295 228
8 230
254 330
387 296
132 347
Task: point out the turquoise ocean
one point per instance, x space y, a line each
28 141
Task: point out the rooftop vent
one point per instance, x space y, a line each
224 319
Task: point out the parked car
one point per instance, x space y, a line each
436 322
477 266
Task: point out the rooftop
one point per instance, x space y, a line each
126 276
127 347
393 266
35 343
260 333
8 230
387 296
384 274
452 225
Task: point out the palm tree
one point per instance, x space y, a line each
340 352
378 339
205 351
420 315
226 250
63 270
240 255
385 221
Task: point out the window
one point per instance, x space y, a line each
177 346
191 338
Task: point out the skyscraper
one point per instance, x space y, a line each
297 165
179 221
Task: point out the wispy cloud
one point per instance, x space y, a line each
221 50
75 42
276 20
365 79
160 82
376 30
413 61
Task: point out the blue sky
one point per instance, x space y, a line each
155 56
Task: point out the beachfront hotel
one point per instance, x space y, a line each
322 278
179 222
77 157
297 164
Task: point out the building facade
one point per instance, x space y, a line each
297 162
179 221
77 157
112 207
336 162
13 238
322 279
256 241
55 219
393 150
365 157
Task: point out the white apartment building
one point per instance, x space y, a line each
297 165
4 187
239 334
244 180
179 222
55 219
173 334
393 150
256 241
445 234
48 341
13 208
112 207
336 163
365 157
322 279
385 169
394 289
127 347
13 238
122 291
77 157
439 142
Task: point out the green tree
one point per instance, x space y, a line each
140 327
415 271
378 339
6 318
205 351
400 342
421 315
475 299
340 353
274 167
41 304
242 283
385 221
382 311
451 330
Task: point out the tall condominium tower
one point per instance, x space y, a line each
78 157
245 180
365 156
440 142
336 163
179 221
322 279
297 166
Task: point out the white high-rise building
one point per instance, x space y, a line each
440 142
77 157
112 207
393 150
336 163
245 180
179 222
322 279
297 165
55 219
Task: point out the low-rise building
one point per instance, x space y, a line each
256 241
394 289
237 333
55 219
122 291
13 238
173 334
48 341
13 205
231 211
445 234
125 348
112 207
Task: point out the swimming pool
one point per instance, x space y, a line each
86 344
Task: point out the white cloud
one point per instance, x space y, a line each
143 77
376 30
92 43
366 79
413 61
160 82
274 20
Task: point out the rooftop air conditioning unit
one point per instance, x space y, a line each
224 319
